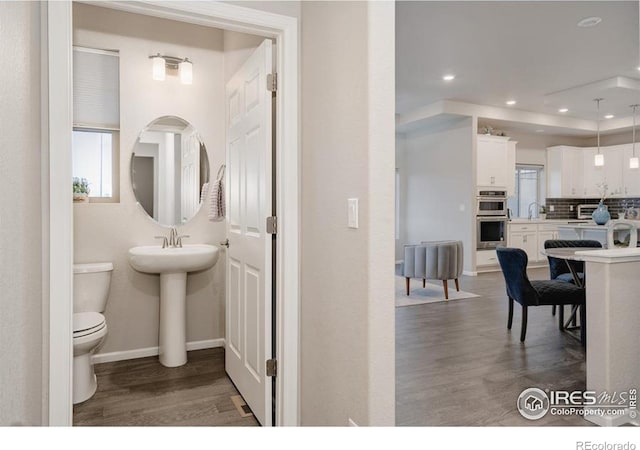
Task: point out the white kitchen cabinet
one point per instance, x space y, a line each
493 166
486 258
527 241
612 170
542 237
592 174
511 168
630 177
571 172
565 172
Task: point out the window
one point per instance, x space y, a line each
528 190
96 121
93 159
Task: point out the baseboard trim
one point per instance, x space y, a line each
152 351
469 273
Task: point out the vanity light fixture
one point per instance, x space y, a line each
598 160
634 161
163 62
186 71
159 71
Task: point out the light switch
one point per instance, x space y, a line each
352 220
462 207
552 208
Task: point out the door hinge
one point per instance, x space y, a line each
272 367
272 82
272 225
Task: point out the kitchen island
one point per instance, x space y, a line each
600 233
613 331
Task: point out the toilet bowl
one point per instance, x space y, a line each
89 331
90 292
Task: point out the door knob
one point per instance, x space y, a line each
225 243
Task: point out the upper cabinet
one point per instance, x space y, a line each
571 172
496 162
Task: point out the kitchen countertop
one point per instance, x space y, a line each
549 221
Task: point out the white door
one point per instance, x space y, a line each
190 175
249 190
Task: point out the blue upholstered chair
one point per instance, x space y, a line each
558 269
513 262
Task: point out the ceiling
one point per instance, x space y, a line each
532 52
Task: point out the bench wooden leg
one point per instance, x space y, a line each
424 283
445 283
408 283
457 285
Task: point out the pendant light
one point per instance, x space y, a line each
598 161
634 161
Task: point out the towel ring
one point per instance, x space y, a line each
221 172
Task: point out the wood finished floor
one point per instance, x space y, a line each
457 364
142 392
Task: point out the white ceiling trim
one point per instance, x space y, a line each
451 107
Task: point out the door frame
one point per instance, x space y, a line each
58 78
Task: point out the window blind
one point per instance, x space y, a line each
96 88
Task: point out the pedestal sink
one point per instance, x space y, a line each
173 264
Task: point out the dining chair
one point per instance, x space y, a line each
558 269
513 262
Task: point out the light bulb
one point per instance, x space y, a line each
634 162
159 70
599 160
186 71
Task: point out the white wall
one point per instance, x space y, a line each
22 396
438 178
105 232
347 315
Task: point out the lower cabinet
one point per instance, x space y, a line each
528 242
531 239
486 258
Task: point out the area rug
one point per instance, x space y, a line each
433 293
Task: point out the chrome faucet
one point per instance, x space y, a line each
173 241
529 209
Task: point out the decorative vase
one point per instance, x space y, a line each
601 214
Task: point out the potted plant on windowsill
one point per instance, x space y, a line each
80 190
542 212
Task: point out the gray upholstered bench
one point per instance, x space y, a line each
437 260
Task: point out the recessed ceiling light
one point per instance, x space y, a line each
589 22
510 102
609 116
563 110
638 67
448 77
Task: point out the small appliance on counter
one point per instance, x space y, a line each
586 211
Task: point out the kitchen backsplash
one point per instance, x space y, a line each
562 206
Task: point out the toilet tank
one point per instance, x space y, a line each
91 286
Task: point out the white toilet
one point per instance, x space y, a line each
90 292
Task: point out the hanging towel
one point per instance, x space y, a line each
217 209
203 193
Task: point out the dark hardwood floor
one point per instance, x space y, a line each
142 392
457 364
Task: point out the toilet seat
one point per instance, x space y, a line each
87 323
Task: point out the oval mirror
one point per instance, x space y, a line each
169 167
